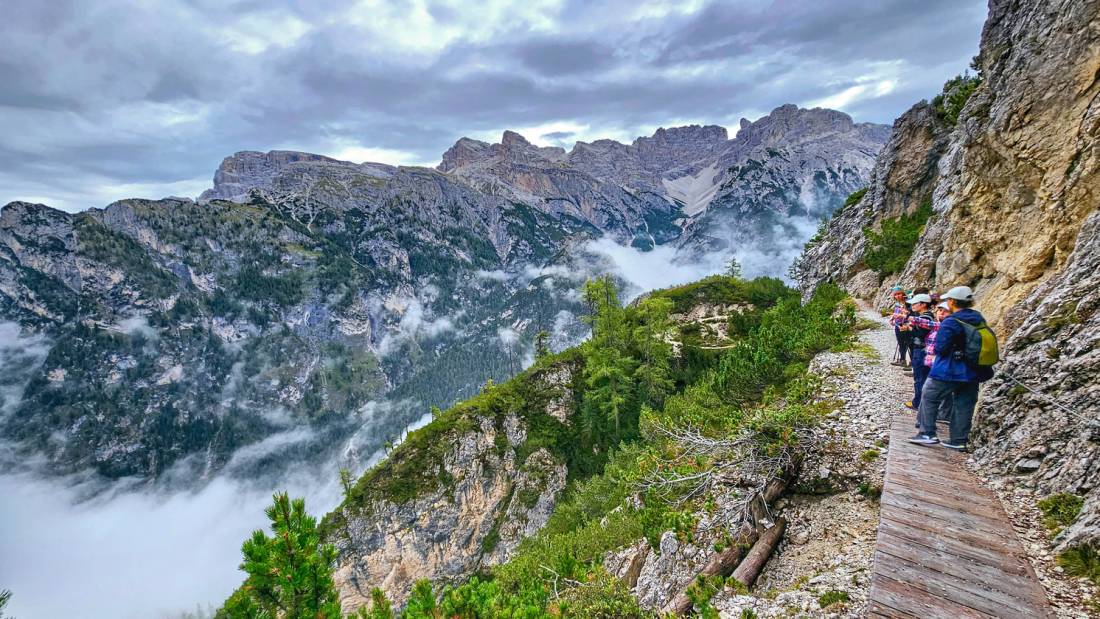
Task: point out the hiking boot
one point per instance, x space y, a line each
907 370
956 445
900 364
910 406
924 439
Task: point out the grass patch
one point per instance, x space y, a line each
831 597
866 324
860 348
1060 510
870 490
869 456
1082 562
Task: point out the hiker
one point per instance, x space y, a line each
942 312
965 350
908 331
919 324
901 311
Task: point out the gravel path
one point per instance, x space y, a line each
833 510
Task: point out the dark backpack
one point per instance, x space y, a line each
981 348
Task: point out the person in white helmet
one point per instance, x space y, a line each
954 373
919 323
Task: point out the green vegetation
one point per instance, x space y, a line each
719 289
765 397
890 248
1060 510
870 490
956 91
290 573
632 397
831 597
97 242
852 198
869 456
1082 561
5 596
283 290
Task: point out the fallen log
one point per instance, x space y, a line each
720 564
753 563
725 561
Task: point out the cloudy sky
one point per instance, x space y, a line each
107 99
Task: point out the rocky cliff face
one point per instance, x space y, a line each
460 494
1013 188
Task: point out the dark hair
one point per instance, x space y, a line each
963 304
921 290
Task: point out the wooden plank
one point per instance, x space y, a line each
932 496
945 587
937 514
992 577
895 598
934 479
945 547
966 547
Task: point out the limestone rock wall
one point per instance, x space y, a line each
1015 188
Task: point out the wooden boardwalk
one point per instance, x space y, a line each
945 548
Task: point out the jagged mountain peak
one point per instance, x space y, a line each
686 134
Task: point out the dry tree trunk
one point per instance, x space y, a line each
735 556
720 564
754 562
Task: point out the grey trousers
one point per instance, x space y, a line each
962 411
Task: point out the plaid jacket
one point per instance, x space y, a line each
899 314
930 341
922 325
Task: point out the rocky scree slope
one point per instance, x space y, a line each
1013 188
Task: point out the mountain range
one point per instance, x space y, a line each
305 304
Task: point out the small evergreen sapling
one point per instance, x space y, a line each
289 573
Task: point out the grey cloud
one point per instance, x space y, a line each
126 93
565 57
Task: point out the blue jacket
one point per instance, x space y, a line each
951 339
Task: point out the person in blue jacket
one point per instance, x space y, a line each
952 375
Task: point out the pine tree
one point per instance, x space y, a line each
289 573
654 373
542 344
608 363
733 268
346 481
5 596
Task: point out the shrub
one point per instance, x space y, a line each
853 197
890 248
956 91
870 490
603 597
1082 561
1060 510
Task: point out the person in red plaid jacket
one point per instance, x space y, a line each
897 318
942 312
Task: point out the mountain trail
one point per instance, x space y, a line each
833 509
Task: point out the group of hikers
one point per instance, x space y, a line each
948 347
